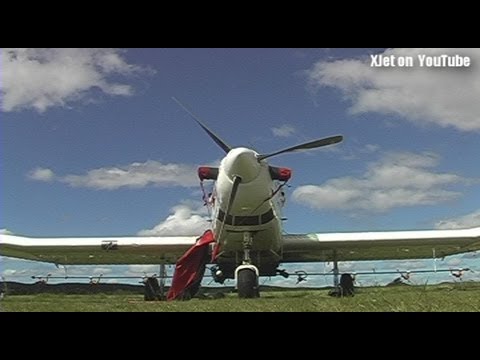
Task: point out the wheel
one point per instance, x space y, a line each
346 285
151 289
247 284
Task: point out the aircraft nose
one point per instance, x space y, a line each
242 163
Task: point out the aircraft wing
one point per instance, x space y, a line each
97 250
385 245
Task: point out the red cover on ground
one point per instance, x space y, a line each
190 267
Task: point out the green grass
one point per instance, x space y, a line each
444 297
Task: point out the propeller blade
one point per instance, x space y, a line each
310 145
210 133
236 183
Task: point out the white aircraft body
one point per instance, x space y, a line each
246 206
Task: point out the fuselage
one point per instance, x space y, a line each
256 208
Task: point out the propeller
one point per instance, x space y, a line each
210 133
226 148
310 145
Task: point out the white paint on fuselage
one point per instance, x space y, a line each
253 198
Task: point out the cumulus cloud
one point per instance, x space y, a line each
283 131
15 272
140 269
44 78
9 272
447 97
101 271
355 152
401 265
370 148
396 180
41 174
462 222
135 175
186 219
454 261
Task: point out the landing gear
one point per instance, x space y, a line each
346 285
336 272
161 284
343 286
152 289
247 283
155 288
247 274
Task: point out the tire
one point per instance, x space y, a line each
151 289
247 284
346 285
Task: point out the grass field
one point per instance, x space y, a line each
444 297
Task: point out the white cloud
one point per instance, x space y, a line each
401 265
15 272
370 148
283 131
454 261
186 219
441 96
9 272
396 180
471 255
101 271
135 175
140 269
41 174
355 152
44 78
462 222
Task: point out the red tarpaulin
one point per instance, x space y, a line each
190 268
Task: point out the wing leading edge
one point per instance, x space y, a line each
385 245
353 246
97 250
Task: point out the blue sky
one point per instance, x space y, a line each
92 143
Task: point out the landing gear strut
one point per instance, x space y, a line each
343 286
247 274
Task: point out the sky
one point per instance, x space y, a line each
93 144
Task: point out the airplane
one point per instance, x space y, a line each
246 239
